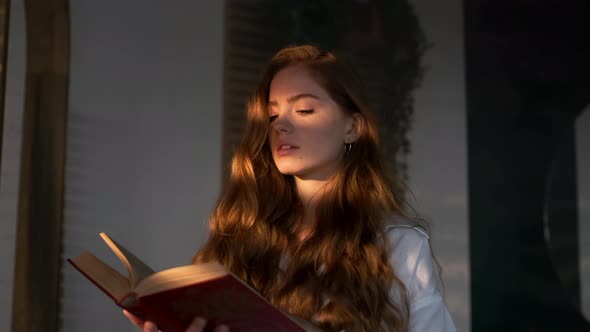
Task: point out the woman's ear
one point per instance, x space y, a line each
355 129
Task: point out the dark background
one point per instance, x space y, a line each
528 79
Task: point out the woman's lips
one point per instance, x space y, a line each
286 149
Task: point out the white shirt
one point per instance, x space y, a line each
412 262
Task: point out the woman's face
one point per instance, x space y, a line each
308 128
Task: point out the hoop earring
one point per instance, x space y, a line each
347 148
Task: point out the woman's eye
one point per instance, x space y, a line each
305 111
272 117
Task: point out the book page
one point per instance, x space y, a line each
137 269
108 279
180 276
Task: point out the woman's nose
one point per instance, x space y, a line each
282 125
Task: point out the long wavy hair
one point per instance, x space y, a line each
340 276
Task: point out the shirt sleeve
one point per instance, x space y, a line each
412 262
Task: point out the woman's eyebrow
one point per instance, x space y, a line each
294 98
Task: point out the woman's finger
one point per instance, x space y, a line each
197 325
134 319
150 327
221 328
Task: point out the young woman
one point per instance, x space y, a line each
308 217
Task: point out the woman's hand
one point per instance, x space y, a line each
307 326
197 325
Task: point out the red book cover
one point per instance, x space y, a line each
221 301
172 298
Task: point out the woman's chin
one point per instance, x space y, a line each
287 171
287 168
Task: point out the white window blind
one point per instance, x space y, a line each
143 140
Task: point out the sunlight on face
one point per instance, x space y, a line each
308 129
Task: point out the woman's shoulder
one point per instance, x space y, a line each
408 232
408 248
398 228
411 256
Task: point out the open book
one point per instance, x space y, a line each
173 297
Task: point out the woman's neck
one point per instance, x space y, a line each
310 192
